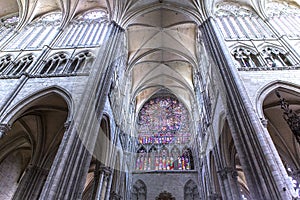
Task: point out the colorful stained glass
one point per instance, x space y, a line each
163 126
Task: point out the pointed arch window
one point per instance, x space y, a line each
81 63
275 57
246 58
7 25
18 67
55 64
163 135
88 29
5 61
239 22
38 33
285 18
60 64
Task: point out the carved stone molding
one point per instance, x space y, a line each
225 171
3 129
115 196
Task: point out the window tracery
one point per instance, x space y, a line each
5 61
7 25
61 64
246 58
275 57
239 23
55 64
16 68
38 33
87 30
163 133
285 18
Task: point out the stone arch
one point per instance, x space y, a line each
14 112
230 169
37 128
103 144
191 190
279 100
139 191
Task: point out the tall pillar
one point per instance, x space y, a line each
228 177
68 172
31 184
260 164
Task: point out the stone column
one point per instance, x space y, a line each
31 184
229 178
260 164
69 169
103 187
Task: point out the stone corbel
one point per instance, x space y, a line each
223 172
264 122
3 130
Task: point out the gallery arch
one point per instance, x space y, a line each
35 146
278 106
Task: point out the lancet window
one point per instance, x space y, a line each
285 18
163 136
7 25
38 33
238 23
87 30
5 61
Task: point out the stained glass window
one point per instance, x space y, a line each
163 133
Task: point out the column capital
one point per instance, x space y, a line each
3 129
106 170
224 172
115 196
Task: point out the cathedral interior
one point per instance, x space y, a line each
150 99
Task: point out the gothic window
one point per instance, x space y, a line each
7 25
139 191
275 57
285 18
81 63
238 22
87 30
191 191
19 67
62 64
5 61
38 33
163 132
55 64
246 58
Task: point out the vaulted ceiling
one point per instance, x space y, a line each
161 36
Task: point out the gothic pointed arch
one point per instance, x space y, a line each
139 191
37 129
191 190
280 107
